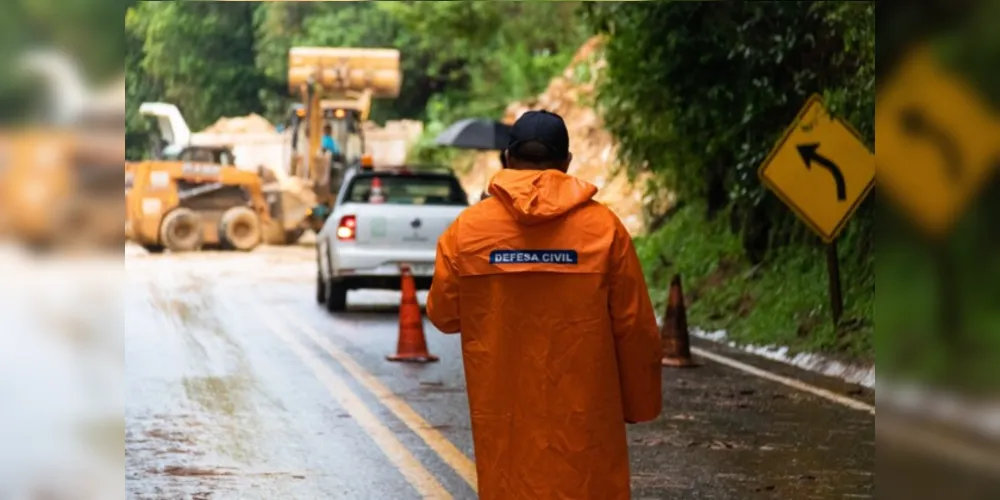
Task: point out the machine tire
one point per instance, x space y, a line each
240 229
336 297
320 289
153 248
181 231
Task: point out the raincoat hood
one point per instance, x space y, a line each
536 196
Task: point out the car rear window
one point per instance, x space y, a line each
409 190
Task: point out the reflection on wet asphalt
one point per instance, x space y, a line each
231 393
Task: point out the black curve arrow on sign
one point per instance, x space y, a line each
916 124
810 156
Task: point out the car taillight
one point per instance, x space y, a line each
347 228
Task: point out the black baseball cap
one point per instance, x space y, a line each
538 137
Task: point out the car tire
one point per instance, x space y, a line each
153 248
336 297
320 289
240 229
181 231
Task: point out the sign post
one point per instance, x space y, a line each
939 149
822 170
833 271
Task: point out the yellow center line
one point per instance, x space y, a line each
444 448
423 481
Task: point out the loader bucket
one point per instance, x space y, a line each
292 200
346 70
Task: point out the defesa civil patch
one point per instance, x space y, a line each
565 257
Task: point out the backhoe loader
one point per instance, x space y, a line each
335 87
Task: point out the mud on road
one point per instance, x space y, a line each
240 386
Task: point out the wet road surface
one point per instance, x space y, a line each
240 386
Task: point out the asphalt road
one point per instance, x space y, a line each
240 386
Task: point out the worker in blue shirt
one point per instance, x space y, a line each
327 142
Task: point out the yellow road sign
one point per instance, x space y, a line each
821 169
938 141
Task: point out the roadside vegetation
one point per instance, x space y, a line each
695 95
459 59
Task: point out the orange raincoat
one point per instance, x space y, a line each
559 338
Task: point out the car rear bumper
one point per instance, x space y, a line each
380 282
353 263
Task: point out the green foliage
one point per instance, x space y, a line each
974 50
697 93
498 52
138 87
936 305
84 30
203 54
781 301
459 59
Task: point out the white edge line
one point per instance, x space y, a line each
441 445
794 384
905 435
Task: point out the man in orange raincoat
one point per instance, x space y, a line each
559 338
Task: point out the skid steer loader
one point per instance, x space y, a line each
282 218
196 200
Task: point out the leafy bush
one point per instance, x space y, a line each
697 94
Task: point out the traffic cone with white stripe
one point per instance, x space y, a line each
376 196
411 347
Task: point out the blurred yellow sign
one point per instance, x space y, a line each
939 142
821 169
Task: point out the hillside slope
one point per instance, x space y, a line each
571 95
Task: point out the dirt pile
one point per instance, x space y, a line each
390 145
250 124
572 96
256 140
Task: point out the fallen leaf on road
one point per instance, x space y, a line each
687 418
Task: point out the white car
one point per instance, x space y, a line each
383 219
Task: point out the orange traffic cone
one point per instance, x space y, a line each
674 331
376 196
411 346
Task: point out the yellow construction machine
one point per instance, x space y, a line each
183 205
335 88
59 176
